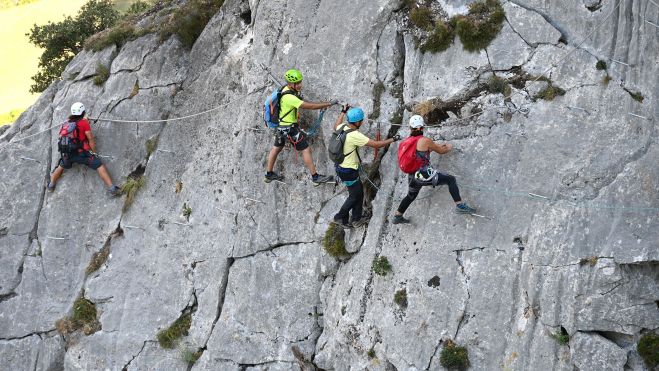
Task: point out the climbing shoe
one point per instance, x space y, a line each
50 187
341 224
114 191
463 208
359 222
399 219
319 179
271 175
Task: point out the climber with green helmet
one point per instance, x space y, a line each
348 169
291 102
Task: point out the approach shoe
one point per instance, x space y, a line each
399 219
359 222
463 208
50 187
269 177
114 191
341 224
319 179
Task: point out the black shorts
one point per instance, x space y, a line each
292 134
84 158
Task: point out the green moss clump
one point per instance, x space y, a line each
562 337
421 17
334 241
169 337
381 265
592 261
637 96
496 84
600 65
454 357
84 312
191 356
151 145
440 39
102 74
189 21
648 349
378 89
371 353
130 188
549 93
400 298
482 25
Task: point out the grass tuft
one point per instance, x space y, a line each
481 26
561 337
592 261
371 353
600 65
98 259
191 356
168 338
381 266
189 21
83 318
151 145
102 74
440 39
422 18
648 349
496 84
334 241
400 298
454 357
637 96
186 211
549 93
130 188
117 35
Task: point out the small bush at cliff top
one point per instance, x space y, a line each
482 25
648 349
169 337
63 40
454 357
188 22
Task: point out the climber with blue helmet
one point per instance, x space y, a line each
289 129
348 169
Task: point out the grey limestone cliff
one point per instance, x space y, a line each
568 188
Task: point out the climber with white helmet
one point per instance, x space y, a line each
291 102
414 159
347 162
76 144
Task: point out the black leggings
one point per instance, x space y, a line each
416 184
355 196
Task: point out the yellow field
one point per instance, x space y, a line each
20 59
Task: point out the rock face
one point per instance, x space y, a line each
567 188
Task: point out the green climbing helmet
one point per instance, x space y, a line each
293 76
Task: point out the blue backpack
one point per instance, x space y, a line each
272 105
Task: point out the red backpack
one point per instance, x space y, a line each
408 161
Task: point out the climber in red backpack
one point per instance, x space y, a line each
76 144
414 159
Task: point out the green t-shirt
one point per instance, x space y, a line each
289 103
354 140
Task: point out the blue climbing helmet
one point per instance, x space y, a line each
355 114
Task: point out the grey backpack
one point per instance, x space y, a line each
335 146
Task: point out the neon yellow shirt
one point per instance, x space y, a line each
289 103
354 140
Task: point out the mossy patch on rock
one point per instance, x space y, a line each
648 349
454 357
98 259
481 26
334 241
400 298
169 337
130 188
381 265
440 39
102 74
600 65
549 93
82 318
561 337
496 84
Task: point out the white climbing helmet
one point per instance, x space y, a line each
77 109
416 122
